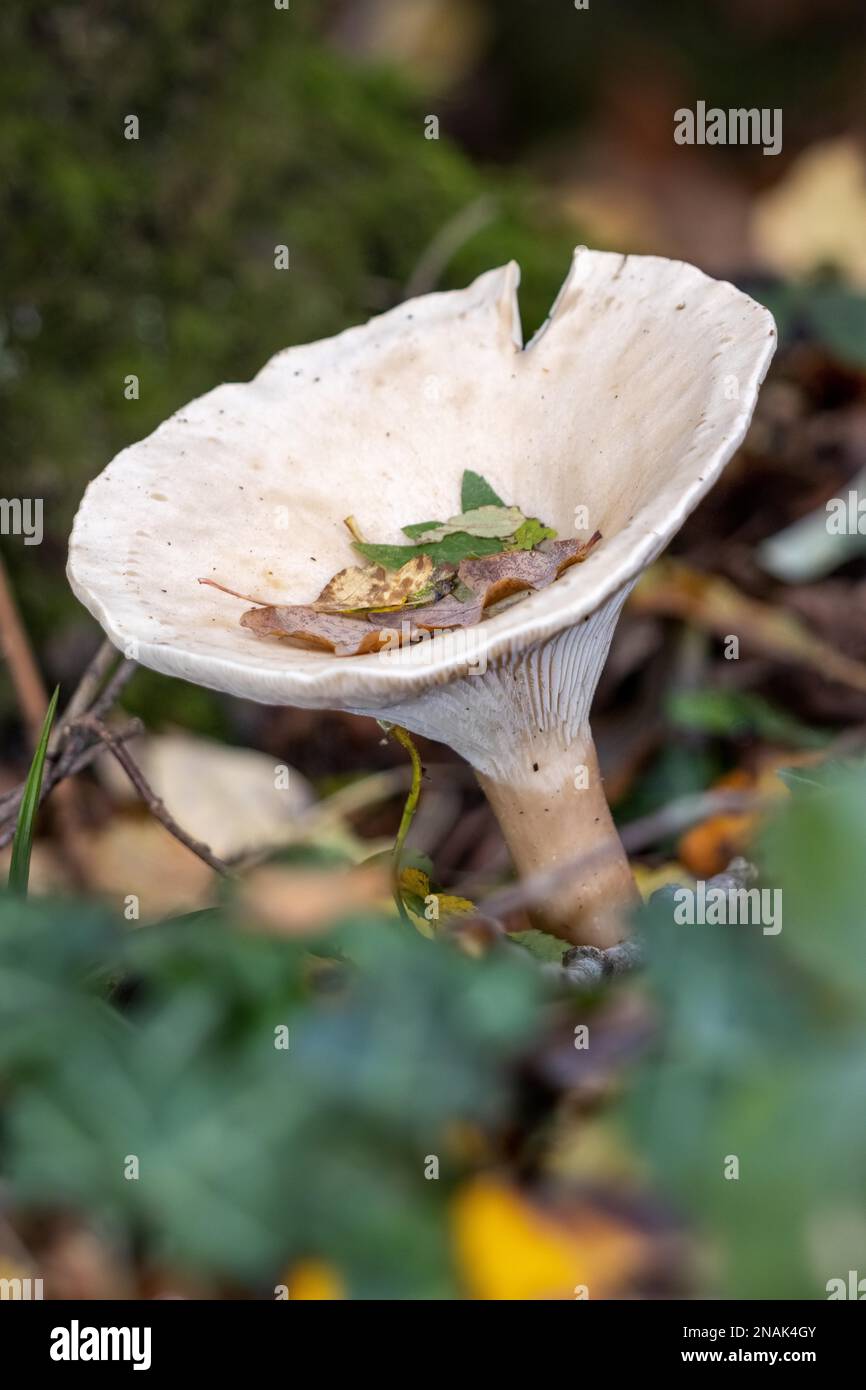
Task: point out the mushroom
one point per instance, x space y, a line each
617 416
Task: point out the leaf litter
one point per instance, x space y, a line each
453 576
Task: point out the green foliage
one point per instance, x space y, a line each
19 867
818 846
496 523
761 1056
532 533
54 964
475 492
452 551
160 1043
823 310
734 713
540 944
251 1155
490 527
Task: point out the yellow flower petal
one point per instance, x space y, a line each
509 1249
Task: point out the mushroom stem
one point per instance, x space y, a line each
523 724
552 810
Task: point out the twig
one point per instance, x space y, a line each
154 804
55 773
85 692
82 720
124 673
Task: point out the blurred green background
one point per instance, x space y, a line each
155 258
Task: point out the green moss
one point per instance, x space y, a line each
155 257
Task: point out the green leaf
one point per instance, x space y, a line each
541 945
475 492
492 522
816 845
733 713
418 529
19 867
451 551
56 955
839 319
828 311
760 1055
531 534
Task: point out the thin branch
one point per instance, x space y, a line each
70 766
82 722
154 804
111 694
85 692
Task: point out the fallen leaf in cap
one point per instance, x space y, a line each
531 534
362 587
493 523
456 547
497 576
568 553
448 612
325 631
488 581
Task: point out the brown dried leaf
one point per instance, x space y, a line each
568 553
296 901
448 612
362 587
496 577
489 579
324 631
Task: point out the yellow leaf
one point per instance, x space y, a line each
415 881
454 907
649 880
315 1280
507 1248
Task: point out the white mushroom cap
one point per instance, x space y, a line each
629 401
